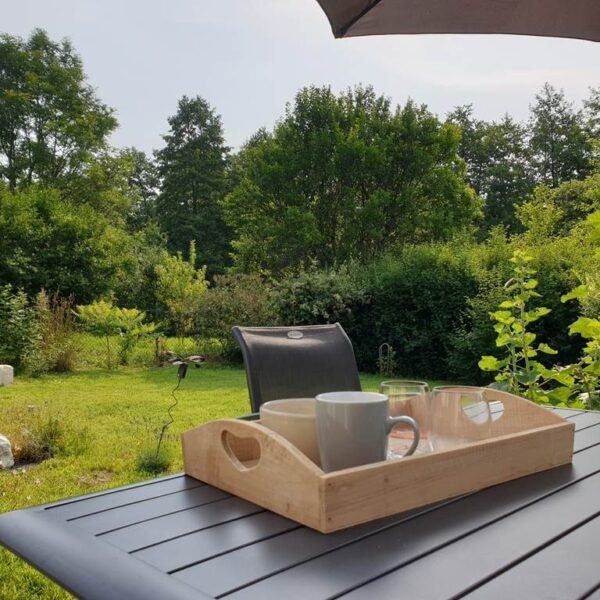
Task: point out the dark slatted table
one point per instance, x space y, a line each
174 537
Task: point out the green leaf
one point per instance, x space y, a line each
546 349
563 378
490 363
531 284
559 395
503 339
503 316
581 291
507 304
502 385
586 327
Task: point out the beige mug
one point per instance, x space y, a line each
294 419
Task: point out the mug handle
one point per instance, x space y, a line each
391 421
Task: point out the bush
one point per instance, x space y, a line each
148 461
314 296
42 439
18 327
55 347
127 325
233 300
416 301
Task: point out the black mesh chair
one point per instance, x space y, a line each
296 362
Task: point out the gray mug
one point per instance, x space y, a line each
353 428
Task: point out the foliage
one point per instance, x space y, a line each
51 123
586 372
132 329
414 301
48 243
103 319
192 168
488 263
518 371
55 347
313 296
151 462
181 288
592 112
100 318
561 148
44 440
135 278
344 177
145 180
236 299
18 326
498 164
552 212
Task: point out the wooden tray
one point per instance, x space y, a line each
254 463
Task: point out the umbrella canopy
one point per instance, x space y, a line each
555 18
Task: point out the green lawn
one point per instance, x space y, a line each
107 418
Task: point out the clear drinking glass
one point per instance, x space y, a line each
461 415
412 399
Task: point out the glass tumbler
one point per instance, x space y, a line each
461 416
412 399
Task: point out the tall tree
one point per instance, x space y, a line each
498 164
591 111
561 147
192 166
51 123
346 176
144 179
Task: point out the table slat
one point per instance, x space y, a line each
195 547
567 568
586 438
86 505
584 420
141 535
483 553
122 516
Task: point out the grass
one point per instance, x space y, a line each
108 422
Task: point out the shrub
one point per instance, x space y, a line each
415 303
312 296
56 345
519 370
148 461
103 319
18 327
43 439
232 300
180 287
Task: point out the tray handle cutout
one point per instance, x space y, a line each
243 452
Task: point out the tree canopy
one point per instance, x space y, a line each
346 176
51 122
192 167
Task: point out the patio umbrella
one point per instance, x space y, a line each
555 18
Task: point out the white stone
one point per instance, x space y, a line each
6 456
7 375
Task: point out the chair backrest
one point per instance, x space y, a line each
296 362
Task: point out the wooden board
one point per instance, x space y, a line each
252 462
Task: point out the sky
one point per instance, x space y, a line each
248 58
